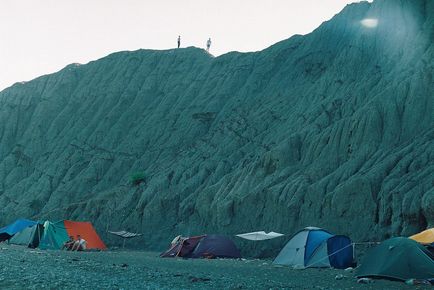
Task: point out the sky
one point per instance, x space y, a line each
39 37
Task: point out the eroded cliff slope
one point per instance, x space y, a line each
333 129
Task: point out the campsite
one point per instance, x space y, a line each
312 258
219 144
35 269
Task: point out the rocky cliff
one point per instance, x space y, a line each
333 129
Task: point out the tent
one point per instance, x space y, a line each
57 233
259 236
29 237
8 231
182 247
426 237
216 246
397 258
315 247
205 246
54 235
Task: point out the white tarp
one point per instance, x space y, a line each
259 236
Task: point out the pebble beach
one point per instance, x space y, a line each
24 268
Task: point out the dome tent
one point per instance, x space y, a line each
216 246
182 247
397 258
205 246
315 247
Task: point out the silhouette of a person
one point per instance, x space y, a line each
208 44
179 41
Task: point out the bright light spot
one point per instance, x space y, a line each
370 22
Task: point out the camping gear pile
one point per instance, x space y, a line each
50 235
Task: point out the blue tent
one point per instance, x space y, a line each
29 237
17 226
315 247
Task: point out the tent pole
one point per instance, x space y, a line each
39 235
29 240
354 252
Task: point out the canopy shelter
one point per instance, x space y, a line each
399 259
87 232
125 235
426 237
17 226
315 247
259 236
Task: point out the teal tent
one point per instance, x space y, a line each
398 259
54 236
29 237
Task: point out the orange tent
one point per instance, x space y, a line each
425 237
87 232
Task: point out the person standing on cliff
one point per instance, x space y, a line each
179 41
208 44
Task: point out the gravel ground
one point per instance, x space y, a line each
23 268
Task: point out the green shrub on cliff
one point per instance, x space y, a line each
137 178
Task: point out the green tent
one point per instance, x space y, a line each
29 237
398 258
54 236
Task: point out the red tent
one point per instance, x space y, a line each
183 247
206 246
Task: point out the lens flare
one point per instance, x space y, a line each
370 22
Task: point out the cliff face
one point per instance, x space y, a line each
332 129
